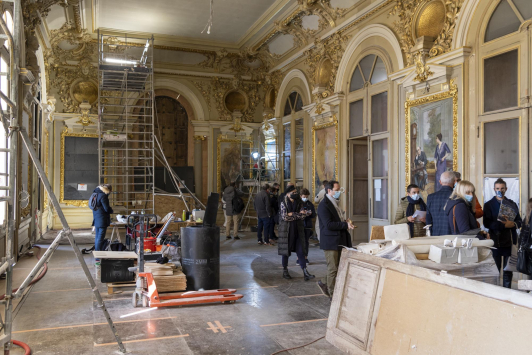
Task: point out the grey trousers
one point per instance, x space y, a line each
332 257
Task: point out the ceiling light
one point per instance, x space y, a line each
120 61
255 155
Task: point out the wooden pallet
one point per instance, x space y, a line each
111 286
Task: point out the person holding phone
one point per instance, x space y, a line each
309 208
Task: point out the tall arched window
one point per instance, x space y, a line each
293 139
368 144
507 18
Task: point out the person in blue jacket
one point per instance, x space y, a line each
102 215
503 232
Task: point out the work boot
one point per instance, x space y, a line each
323 289
507 279
286 275
308 276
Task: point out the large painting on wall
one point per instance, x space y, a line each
431 139
229 159
324 154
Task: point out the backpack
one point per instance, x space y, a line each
238 204
93 201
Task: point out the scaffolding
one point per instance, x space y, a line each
10 121
257 173
126 102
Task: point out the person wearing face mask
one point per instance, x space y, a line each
307 206
274 201
411 203
334 235
503 232
477 208
459 210
292 231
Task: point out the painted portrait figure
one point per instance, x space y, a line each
325 155
441 154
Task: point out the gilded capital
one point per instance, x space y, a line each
200 138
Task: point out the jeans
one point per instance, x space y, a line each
506 275
264 223
99 238
300 256
272 227
333 261
308 234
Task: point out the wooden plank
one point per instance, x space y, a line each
114 254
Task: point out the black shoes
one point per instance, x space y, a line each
228 237
323 289
307 275
286 275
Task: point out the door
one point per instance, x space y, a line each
359 189
378 184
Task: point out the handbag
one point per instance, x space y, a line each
524 254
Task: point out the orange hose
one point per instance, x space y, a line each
23 346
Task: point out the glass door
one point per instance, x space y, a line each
359 189
378 184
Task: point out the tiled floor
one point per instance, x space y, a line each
60 314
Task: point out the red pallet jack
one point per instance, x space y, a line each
146 289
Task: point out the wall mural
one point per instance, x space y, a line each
431 143
228 160
324 153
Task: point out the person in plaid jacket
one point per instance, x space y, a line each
436 216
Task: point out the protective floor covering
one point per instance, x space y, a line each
60 315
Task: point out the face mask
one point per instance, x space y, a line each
295 197
304 199
499 194
337 195
415 197
454 187
468 198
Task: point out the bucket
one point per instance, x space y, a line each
150 243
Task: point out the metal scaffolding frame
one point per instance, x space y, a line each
10 121
126 102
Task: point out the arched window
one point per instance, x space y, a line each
293 139
369 71
507 18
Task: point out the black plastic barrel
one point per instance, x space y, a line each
200 257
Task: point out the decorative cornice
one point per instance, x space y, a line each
199 138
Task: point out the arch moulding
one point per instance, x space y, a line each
294 73
464 21
165 83
367 32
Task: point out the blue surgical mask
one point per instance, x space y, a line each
304 199
337 194
499 194
468 198
454 187
415 197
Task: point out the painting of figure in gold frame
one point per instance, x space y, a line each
324 154
431 139
229 159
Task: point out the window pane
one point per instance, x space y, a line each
501 147
356 118
379 112
360 197
359 175
366 64
357 82
299 164
299 148
299 104
287 137
380 158
287 108
3 82
379 73
299 133
524 7
500 81
286 166
502 22
380 198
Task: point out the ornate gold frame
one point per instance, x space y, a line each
221 140
314 129
452 93
77 203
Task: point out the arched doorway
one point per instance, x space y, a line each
171 128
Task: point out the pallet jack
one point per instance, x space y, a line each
146 289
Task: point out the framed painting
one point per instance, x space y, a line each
229 160
431 145
324 153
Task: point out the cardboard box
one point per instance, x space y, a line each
443 255
467 255
397 232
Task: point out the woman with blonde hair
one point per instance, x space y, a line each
459 210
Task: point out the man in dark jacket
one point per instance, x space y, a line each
263 208
436 216
101 215
231 215
503 232
333 235
308 206
274 202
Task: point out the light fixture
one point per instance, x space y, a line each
255 155
120 61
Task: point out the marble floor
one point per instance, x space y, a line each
60 316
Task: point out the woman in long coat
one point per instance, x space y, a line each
292 232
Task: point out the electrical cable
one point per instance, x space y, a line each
297 347
22 345
41 275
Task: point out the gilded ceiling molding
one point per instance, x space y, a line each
77 14
235 95
429 18
205 90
